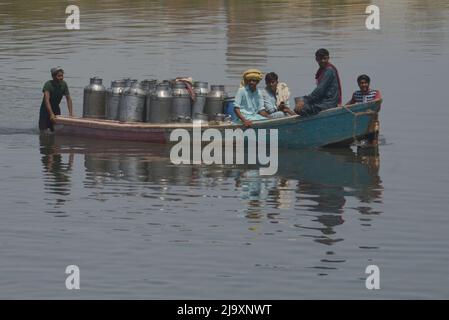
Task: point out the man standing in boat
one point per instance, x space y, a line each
53 91
327 94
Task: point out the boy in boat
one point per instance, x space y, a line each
275 97
327 94
248 103
365 94
53 91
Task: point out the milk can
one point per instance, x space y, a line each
94 99
133 104
160 105
181 105
128 83
113 99
149 86
201 90
215 101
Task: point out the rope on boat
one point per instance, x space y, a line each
357 114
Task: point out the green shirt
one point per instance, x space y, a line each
57 91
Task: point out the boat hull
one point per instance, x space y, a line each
337 127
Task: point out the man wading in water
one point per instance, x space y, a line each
53 91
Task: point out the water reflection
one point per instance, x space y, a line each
312 181
246 36
329 180
307 199
57 171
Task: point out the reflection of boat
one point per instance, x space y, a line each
338 126
310 191
330 174
331 167
322 178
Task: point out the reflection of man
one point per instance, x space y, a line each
53 164
327 94
53 91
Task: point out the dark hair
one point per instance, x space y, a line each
363 77
321 53
271 76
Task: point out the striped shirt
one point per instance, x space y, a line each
360 97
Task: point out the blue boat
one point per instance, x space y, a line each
336 127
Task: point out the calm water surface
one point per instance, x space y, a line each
140 227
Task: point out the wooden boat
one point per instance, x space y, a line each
333 127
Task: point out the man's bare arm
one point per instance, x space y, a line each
48 105
69 105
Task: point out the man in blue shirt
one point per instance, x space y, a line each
248 103
275 97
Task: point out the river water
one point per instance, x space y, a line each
139 227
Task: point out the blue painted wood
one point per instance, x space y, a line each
328 127
229 108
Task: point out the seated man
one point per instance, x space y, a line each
248 103
275 97
365 94
327 94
